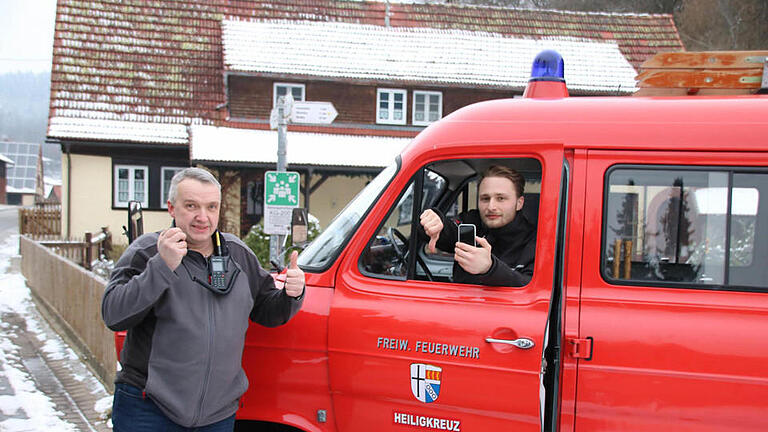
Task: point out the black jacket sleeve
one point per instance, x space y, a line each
272 307
136 284
501 274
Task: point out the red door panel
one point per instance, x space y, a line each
667 358
292 358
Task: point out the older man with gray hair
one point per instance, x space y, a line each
185 295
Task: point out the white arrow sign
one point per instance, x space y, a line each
313 113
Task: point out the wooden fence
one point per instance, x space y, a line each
82 251
72 296
40 220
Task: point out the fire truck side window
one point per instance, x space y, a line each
749 222
681 227
387 254
449 187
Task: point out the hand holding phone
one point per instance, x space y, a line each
474 259
467 233
172 246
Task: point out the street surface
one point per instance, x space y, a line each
43 384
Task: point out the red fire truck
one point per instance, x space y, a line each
648 306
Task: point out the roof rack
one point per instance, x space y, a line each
704 73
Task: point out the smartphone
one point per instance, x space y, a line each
467 234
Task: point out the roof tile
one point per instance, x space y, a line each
159 60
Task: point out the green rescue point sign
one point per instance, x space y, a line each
281 188
281 196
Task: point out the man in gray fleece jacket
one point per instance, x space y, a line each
181 361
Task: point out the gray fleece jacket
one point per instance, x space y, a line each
184 343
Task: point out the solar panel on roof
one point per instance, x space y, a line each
21 176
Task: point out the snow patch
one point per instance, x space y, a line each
56 350
27 408
27 399
103 406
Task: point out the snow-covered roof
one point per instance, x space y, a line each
23 190
415 55
117 130
161 62
223 144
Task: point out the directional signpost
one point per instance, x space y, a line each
313 113
281 188
281 195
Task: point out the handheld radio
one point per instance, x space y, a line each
217 265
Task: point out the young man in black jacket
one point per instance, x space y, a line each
506 240
185 296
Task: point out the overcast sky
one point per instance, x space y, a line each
26 35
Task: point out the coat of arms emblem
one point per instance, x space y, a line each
425 381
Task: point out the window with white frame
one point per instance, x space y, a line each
427 107
282 89
390 106
167 174
131 183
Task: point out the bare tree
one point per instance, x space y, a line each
636 6
703 24
523 4
723 24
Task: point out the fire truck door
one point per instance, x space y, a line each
676 306
409 349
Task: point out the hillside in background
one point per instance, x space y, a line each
24 99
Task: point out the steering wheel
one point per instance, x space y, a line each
401 250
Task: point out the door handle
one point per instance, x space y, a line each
522 343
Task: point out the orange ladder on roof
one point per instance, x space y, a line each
704 73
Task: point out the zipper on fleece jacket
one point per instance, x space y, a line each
209 362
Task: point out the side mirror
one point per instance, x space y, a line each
298 226
135 221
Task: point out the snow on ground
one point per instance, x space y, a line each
103 406
26 408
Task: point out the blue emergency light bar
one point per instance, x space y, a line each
548 66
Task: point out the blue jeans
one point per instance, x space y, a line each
132 412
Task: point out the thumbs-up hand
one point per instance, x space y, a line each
294 277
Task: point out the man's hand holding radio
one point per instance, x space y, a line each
172 246
294 277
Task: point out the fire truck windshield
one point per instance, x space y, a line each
326 247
